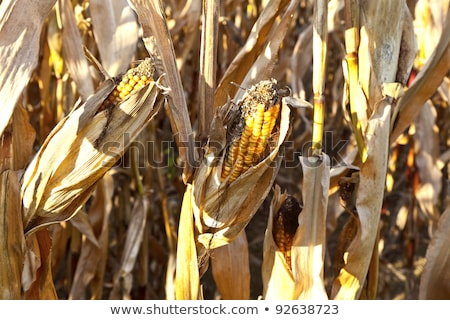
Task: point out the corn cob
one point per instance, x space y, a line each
285 224
132 81
259 110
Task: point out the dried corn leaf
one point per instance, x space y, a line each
152 19
37 277
425 83
187 281
12 241
19 47
254 47
73 54
23 136
308 247
78 152
231 269
277 278
435 280
117 39
135 232
369 200
91 263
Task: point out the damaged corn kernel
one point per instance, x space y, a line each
250 133
134 80
285 224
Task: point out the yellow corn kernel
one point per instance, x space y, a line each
132 81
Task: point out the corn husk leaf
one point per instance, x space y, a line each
308 247
277 278
12 241
19 47
222 210
231 269
435 280
79 151
117 39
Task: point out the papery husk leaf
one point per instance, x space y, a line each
222 210
435 279
79 151
369 200
277 278
308 246
187 281
12 241
231 269
19 48
117 39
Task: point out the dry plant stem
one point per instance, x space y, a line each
208 61
135 168
351 48
320 34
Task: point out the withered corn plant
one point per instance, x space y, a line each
280 149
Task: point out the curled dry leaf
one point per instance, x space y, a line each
81 148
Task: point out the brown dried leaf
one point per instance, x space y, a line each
435 280
23 137
133 241
91 263
231 269
117 39
12 241
73 54
19 49
369 200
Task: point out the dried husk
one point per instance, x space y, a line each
79 151
222 209
308 246
231 269
277 278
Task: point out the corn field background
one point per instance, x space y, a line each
128 199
